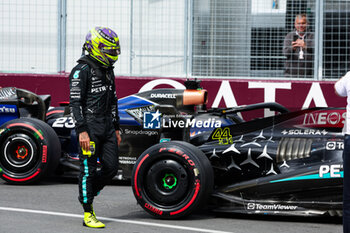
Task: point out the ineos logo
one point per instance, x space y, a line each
333 118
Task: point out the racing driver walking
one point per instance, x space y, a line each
93 105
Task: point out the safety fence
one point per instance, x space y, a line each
184 38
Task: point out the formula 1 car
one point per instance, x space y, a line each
181 156
37 140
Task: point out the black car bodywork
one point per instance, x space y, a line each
180 156
288 164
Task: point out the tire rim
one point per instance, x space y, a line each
167 183
19 152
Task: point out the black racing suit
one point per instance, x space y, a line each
93 105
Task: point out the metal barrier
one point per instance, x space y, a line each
185 38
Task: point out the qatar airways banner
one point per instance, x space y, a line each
225 93
294 95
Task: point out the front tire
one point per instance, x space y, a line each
171 180
29 150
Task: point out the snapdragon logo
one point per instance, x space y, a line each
153 120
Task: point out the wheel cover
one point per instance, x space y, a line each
167 183
20 153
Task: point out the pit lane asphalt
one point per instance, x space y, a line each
52 207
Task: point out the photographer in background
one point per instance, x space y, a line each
298 47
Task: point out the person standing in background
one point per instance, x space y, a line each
298 47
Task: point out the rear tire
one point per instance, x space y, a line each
29 150
171 180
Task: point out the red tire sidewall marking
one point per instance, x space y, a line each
44 154
179 153
23 179
136 174
27 126
197 188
